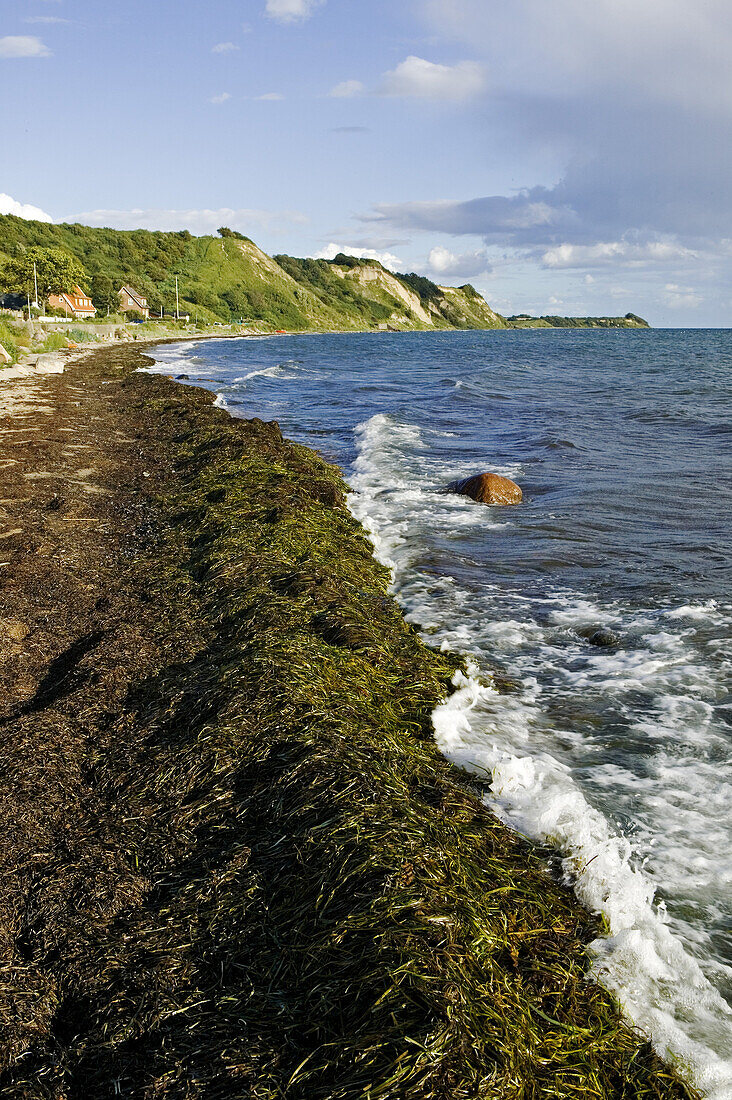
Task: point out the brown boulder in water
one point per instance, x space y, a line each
488 489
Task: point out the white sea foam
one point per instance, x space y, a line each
275 371
677 821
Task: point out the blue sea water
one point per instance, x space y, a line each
619 756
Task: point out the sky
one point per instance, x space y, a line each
563 156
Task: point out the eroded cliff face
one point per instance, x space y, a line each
455 307
375 276
465 301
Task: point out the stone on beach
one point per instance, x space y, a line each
5 356
488 489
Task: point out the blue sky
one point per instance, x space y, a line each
564 157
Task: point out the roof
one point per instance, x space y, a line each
139 298
76 300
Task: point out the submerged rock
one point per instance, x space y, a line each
603 637
487 489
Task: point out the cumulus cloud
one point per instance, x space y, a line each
291 11
428 80
347 89
273 97
681 297
196 221
224 47
23 45
619 118
466 265
388 259
9 205
612 252
675 52
221 98
525 216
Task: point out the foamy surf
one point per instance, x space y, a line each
527 762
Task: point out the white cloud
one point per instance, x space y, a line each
628 253
346 89
291 11
426 80
500 215
273 97
23 45
9 205
388 259
466 265
669 50
681 297
197 221
224 47
48 19
221 98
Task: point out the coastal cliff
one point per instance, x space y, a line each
235 863
229 278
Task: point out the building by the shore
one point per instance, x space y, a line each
132 302
74 303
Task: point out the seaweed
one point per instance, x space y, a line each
309 901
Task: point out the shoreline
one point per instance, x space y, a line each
245 867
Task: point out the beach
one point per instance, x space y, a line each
235 860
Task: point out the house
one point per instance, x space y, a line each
75 302
132 302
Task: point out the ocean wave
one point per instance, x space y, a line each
527 760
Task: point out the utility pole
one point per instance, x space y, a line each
177 306
35 281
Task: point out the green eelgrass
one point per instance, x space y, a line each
327 909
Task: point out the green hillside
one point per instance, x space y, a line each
228 277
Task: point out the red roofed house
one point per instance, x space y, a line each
75 302
132 302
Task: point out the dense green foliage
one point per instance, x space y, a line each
322 280
425 288
52 269
104 294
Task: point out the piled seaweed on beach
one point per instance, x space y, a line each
287 891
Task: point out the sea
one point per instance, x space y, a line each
619 755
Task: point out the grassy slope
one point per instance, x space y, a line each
224 277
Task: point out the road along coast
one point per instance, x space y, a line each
234 861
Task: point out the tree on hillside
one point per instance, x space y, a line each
55 270
103 293
224 231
